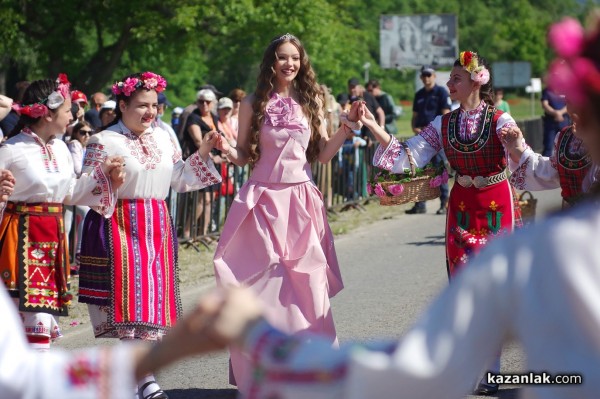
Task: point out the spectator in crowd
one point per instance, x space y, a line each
200 123
163 103
224 107
175 118
236 95
499 102
34 260
92 115
79 99
137 297
554 119
355 93
107 112
386 102
430 101
80 134
276 238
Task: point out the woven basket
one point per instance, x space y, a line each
416 188
527 203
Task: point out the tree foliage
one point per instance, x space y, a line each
192 42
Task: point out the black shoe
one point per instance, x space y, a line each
415 210
441 211
486 390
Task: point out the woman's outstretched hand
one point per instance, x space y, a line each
209 142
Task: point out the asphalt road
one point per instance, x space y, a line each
392 269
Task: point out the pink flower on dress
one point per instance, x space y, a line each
129 86
435 182
279 112
444 177
379 190
396 189
567 37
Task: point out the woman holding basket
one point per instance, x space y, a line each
482 205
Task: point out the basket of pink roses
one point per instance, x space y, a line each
415 184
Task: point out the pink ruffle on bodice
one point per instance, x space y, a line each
284 137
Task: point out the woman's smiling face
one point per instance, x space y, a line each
140 112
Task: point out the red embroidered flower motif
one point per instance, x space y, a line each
82 372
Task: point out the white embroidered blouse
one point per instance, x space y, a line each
429 142
152 164
44 173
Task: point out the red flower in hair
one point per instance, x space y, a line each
62 78
468 57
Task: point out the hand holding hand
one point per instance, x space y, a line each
209 140
114 166
7 184
366 116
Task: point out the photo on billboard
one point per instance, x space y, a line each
409 41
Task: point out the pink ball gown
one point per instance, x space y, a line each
276 239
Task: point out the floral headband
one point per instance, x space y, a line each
147 80
53 101
572 74
470 61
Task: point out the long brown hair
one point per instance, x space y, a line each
309 92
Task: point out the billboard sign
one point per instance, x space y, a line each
511 74
409 41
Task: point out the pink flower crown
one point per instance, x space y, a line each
147 80
572 74
470 62
53 101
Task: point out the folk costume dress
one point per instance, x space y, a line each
34 261
482 205
566 168
128 272
96 373
276 239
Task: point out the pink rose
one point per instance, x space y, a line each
444 177
481 77
279 112
396 189
435 182
379 190
161 83
129 86
116 89
567 37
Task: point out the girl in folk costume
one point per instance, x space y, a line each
276 238
569 167
128 270
566 168
482 205
34 262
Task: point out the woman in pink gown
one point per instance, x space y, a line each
276 239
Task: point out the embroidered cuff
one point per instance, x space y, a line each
384 157
205 172
103 188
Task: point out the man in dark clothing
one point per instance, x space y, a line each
386 102
430 101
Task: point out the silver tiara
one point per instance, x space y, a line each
287 36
